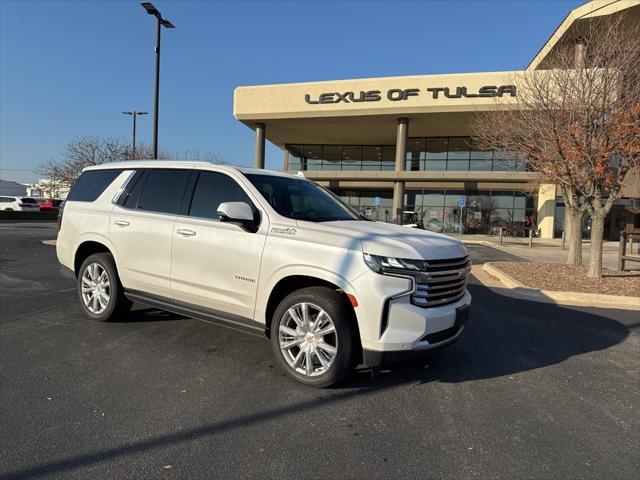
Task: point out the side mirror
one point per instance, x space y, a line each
238 213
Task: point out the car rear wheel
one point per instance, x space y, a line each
313 336
99 288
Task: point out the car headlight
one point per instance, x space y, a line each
380 264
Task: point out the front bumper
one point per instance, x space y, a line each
392 328
375 358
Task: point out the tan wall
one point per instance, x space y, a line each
546 209
288 100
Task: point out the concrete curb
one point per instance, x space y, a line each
517 289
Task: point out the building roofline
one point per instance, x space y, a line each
588 9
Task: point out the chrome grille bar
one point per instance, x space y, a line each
441 282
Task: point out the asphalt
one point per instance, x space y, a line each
531 390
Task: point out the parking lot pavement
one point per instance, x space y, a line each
530 390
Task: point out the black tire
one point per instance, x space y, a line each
341 313
118 305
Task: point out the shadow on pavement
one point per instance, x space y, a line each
147 314
505 336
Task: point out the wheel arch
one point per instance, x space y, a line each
295 282
85 249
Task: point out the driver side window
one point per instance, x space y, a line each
212 189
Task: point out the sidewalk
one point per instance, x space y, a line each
547 250
537 242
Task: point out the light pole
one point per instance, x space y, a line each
162 22
134 114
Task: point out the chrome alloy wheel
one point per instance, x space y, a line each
308 340
96 289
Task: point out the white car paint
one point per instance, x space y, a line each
223 267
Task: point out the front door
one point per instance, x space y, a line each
214 264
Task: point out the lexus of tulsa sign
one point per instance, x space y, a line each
398 94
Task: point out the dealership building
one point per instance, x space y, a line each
400 148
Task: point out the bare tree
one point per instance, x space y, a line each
91 150
576 124
198 155
83 152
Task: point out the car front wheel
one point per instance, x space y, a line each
313 336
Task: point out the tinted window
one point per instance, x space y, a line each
91 184
163 190
30 200
129 198
211 190
301 199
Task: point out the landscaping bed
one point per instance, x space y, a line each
558 277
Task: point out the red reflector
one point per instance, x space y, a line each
352 299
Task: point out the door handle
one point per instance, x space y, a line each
186 232
122 223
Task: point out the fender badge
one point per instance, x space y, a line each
284 231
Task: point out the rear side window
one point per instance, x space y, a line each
30 200
163 190
91 184
211 190
130 196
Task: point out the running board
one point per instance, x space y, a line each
233 322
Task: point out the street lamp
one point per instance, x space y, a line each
134 114
151 10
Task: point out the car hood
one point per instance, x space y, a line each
390 240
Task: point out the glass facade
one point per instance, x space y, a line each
438 210
423 154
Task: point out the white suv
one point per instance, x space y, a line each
19 204
264 252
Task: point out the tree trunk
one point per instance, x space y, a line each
597 233
573 234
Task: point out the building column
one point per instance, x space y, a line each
402 131
580 53
546 210
260 133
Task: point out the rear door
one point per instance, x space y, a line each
214 264
141 227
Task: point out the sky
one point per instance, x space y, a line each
69 68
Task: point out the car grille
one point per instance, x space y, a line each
441 282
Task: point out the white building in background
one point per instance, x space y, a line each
47 188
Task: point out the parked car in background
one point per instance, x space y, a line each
50 205
19 204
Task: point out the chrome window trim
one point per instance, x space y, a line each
123 187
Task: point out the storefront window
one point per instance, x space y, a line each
388 158
416 153
423 154
331 157
481 160
436 154
452 198
458 156
438 210
501 217
504 161
295 154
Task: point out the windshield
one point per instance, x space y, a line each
301 199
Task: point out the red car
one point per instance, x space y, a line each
49 204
